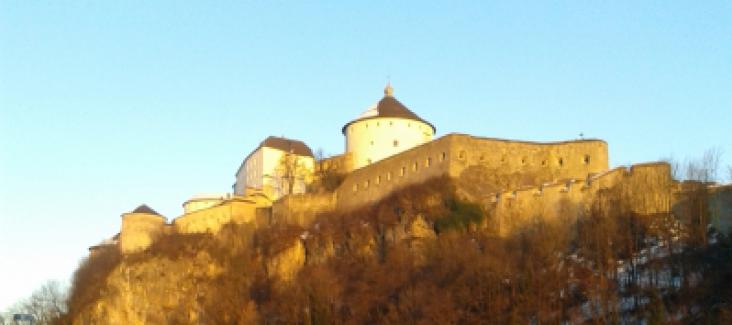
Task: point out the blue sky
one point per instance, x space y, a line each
108 104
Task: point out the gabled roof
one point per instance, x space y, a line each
288 145
388 107
145 209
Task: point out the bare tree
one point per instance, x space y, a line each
290 170
46 304
705 169
675 166
328 175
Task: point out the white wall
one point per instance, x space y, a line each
373 139
251 174
261 172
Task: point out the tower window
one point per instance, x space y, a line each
396 143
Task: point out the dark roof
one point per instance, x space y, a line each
391 107
288 145
145 209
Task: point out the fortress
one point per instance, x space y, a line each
389 148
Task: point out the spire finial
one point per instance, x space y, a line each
388 90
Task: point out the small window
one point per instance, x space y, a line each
367 125
396 143
403 171
366 184
561 161
372 142
462 154
391 123
586 159
415 166
388 176
523 161
482 157
443 156
428 162
543 162
409 125
378 123
378 180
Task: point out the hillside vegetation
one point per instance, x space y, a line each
420 256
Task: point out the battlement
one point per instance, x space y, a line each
477 161
643 189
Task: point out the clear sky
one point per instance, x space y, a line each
105 105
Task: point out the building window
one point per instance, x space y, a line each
482 157
368 161
378 180
372 142
388 176
396 143
378 123
409 125
403 171
443 157
561 161
523 161
587 159
462 154
415 166
428 162
391 123
543 162
366 184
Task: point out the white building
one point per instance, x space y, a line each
271 167
385 129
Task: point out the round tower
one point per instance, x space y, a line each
139 229
385 129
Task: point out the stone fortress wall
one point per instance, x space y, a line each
644 189
475 160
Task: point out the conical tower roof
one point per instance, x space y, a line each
388 107
145 209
